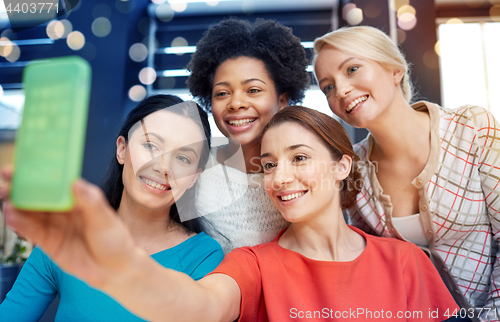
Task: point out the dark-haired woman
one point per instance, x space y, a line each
161 149
317 268
243 73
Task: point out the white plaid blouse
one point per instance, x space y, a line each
459 191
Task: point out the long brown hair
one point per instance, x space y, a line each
333 135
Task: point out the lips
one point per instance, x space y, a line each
287 196
241 122
355 103
155 185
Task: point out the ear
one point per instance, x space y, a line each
121 148
283 100
344 167
397 75
194 178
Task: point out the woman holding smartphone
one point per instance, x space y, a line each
151 185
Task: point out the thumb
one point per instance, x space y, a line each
93 205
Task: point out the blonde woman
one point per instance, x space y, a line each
431 175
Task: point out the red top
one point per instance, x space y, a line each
390 280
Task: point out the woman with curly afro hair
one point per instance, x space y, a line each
243 73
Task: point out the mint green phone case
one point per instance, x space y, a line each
50 141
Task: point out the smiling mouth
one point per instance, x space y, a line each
292 196
241 122
355 103
155 185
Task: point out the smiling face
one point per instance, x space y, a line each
300 175
160 159
244 99
358 90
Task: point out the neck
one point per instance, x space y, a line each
250 163
251 154
327 237
396 127
149 228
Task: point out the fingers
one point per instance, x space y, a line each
93 205
28 224
7 172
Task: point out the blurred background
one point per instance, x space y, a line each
140 47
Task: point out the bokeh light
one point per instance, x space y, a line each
406 9
9 34
125 7
178 6
164 12
437 48
166 82
407 21
345 10
158 1
155 41
5 47
101 10
454 20
212 3
67 28
147 75
373 9
89 51
354 16
138 52
76 40
143 26
179 42
396 4
101 27
430 59
495 13
137 93
51 26
1 91
14 53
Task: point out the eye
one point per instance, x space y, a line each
299 158
327 88
150 146
184 159
254 90
268 166
352 69
221 94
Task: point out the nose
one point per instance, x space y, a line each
238 101
342 89
162 165
282 175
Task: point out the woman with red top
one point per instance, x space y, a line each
318 268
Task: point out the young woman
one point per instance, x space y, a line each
318 268
243 73
431 175
150 178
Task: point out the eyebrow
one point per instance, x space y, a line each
290 148
243 82
340 67
146 134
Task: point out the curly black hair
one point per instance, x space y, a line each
266 40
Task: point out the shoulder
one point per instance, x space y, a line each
470 116
361 148
200 244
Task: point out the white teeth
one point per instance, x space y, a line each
241 122
292 196
355 102
154 184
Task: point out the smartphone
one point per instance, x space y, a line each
48 152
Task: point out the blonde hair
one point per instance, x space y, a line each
370 43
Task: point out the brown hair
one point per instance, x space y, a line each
333 135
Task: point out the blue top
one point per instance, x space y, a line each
41 279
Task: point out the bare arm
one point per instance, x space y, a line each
92 243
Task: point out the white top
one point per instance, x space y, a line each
235 206
411 229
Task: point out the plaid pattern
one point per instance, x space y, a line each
459 200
